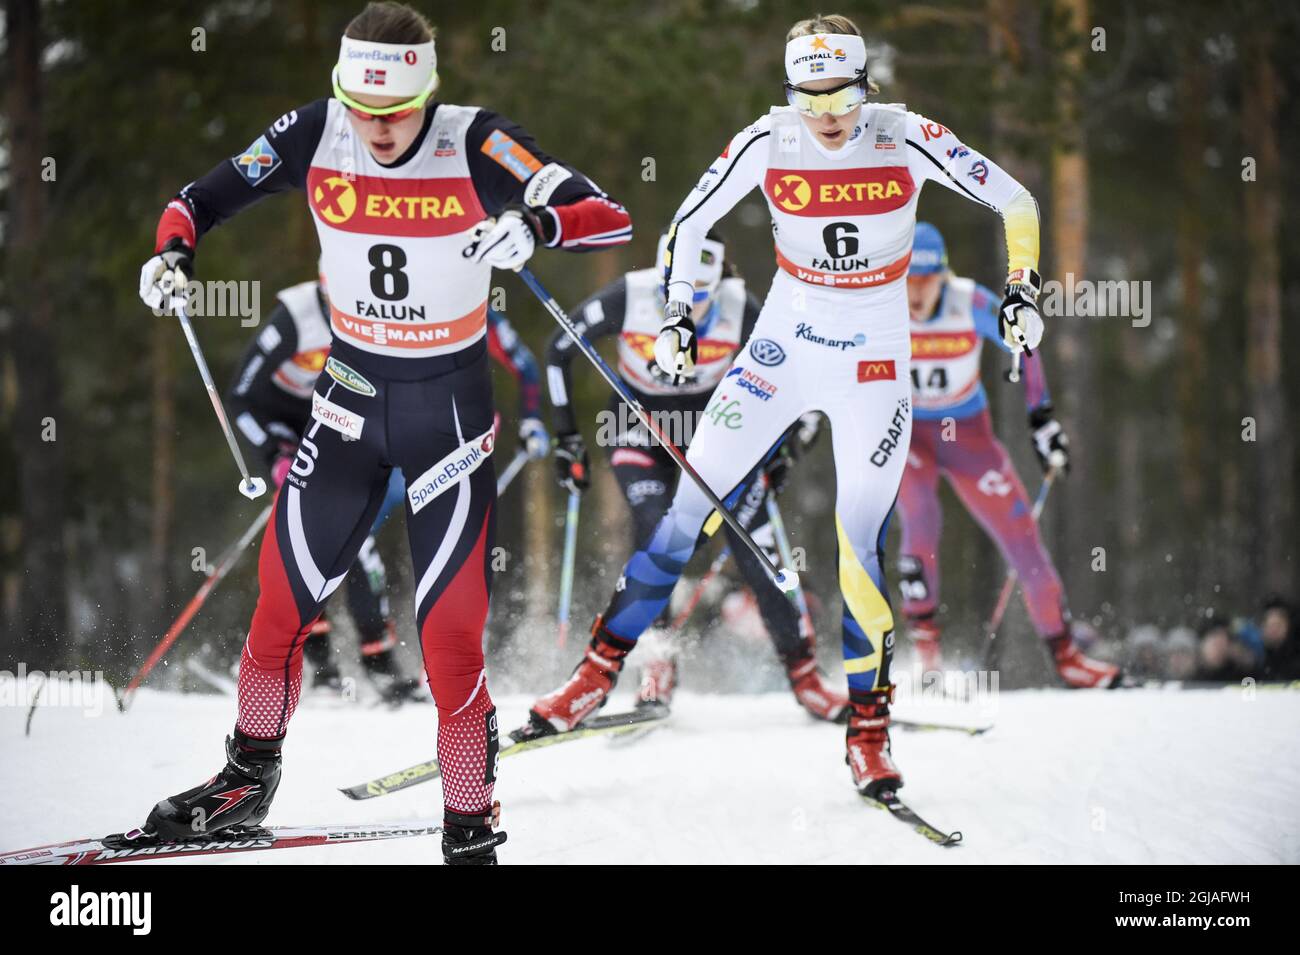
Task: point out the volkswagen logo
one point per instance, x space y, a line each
766 352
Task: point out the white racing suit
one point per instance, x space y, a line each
833 336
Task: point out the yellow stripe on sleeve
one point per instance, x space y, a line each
1020 219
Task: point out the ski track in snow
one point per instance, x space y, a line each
1130 777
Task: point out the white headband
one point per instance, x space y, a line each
821 55
386 69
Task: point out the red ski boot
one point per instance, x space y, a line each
658 670
924 633
586 690
868 756
1079 672
813 692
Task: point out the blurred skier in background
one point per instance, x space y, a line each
952 437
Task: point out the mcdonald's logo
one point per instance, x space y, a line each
876 370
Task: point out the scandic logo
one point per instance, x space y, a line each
336 416
460 463
827 192
876 370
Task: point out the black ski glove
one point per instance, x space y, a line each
1049 440
571 466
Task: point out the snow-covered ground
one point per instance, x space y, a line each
1141 776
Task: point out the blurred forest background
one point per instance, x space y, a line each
1130 122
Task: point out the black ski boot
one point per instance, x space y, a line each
393 687
469 840
319 661
237 797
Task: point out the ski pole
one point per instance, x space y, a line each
250 487
570 558
223 566
1013 375
787 556
993 646
1013 323
512 469
784 579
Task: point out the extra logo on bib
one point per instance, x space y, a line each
839 192
943 344
403 207
462 462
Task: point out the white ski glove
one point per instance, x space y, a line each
1019 321
509 242
676 348
166 274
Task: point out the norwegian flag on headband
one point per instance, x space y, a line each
375 77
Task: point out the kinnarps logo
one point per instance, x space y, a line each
348 378
460 463
806 332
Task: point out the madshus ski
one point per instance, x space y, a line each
612 724
926 726
135 846
889 801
